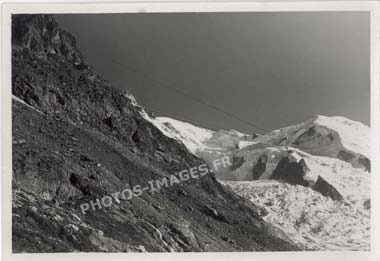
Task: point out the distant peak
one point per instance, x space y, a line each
322 119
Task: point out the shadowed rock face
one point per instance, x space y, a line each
326 189
365 162
317 139
259 167
294 173
83 139
291 172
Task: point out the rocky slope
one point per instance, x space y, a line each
75 139
311 179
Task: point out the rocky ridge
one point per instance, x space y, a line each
76 138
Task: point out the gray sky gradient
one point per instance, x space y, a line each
270 69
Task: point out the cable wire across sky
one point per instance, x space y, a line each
196 99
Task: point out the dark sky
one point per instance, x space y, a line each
234 71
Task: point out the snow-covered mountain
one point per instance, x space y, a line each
311 179
336 137
192 136
198 140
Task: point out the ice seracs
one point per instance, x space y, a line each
313 221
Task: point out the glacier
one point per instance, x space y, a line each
312 179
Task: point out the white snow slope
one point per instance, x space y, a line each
198 140
354 135
192 136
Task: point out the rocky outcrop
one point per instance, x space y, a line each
291 172
77 139
294 172
326 189
331 177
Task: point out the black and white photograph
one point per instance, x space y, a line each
191 132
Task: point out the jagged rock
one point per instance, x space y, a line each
212 212
363 161
228 240
294 172
263 211
260 167
236 162
367 204
326 189
291 172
